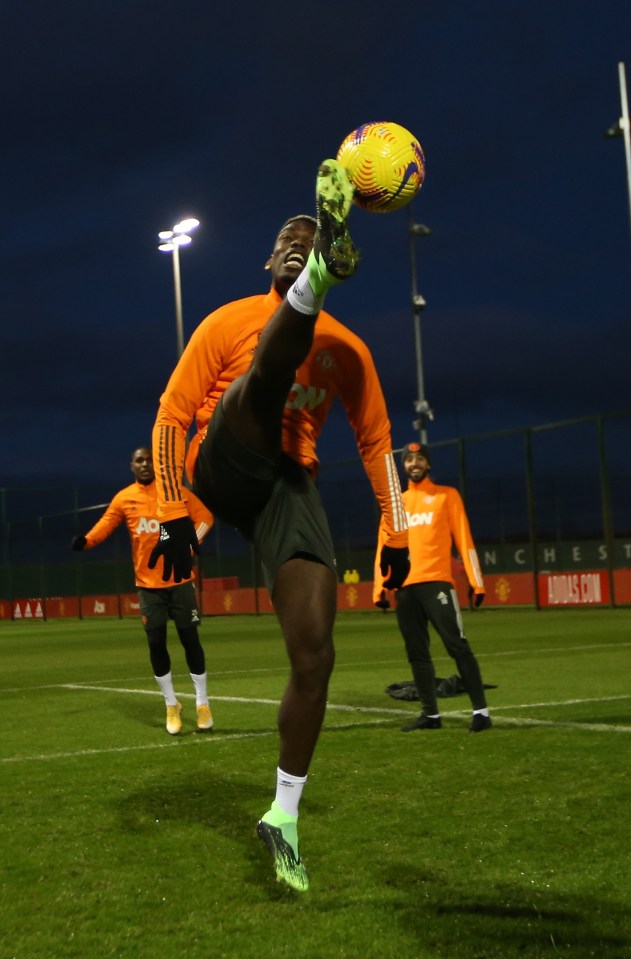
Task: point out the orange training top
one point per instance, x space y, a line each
436 519
339 364
137 505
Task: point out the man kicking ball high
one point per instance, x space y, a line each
259 376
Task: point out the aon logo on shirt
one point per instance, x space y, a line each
147 525
420 519
301 396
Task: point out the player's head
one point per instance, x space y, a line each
291 248
142 465
415 460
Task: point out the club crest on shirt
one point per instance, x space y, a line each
325 360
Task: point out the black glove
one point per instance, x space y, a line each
395 564
177 539
78 542
383 602
475 599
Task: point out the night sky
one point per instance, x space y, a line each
119 119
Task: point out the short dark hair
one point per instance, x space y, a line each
299 216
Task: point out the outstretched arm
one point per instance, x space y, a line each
111 519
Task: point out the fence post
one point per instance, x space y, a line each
78 564
532 515
8 529
3 519
42 566
606 508
117 579
255 578
462 469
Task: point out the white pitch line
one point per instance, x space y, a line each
386 712
346 708
592 727
156 692
194 740
566 702
334 707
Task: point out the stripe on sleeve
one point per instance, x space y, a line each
475 565
399 520
201 529
168 474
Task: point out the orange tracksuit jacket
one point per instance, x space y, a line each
137 505
436 519
339 364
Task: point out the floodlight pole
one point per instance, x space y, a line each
626 131
177 283
421 406
171 241
622 128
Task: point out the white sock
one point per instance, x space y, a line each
288 791
302 297
166 685
201 693
481 712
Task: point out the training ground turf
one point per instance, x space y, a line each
118 840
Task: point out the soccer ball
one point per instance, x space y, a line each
385 163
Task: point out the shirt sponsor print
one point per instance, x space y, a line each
305 397
147 525
419 519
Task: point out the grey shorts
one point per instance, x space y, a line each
293 523
275 504
178 603
232 481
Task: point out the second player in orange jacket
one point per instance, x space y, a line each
137 506
437 521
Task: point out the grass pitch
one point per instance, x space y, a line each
118 840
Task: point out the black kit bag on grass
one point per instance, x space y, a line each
445 688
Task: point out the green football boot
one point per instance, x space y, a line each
334 257
279 832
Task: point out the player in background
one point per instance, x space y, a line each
259 376
137 506
436 519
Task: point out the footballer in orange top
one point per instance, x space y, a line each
137 506
258 377
437 522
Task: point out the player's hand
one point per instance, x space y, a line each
176 541
383 602
394 564
78 542
475 599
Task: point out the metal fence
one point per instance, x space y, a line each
556 495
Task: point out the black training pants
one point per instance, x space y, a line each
437 603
